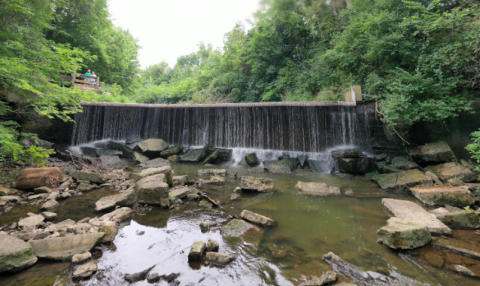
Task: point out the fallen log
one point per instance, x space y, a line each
30 178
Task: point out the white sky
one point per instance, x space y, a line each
167 29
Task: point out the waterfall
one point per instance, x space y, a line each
289 128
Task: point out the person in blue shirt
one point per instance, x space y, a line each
88 73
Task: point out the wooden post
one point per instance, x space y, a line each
74 77
98 82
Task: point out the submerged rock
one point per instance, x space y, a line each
444 195
319 189
257 218
206 225
412 212
402 234
205 204
453 170
64 248
196 251
457 246
15 254
252 159
217 180
435 152
85 270
261 185
151 147
403 180
212 172
219 258
237 228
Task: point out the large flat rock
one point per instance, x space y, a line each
412 212
167 170
34 221
444 195
257 218
194 156
457 246
261 185
15 254
151 147
453 170
435 152
179 192
124 199
318 189
155 163
402 234
240 231
88 175
64 248
152 190
403 180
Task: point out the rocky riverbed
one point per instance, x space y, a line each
173 215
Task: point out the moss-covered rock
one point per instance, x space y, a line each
464 219
402 181
453 170
435 152
284 166
402 234
444 195
193 156
15 254
252 159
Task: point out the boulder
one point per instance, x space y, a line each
173 159
224 155
237 228
403 180
89 151
302 160
193 156
152 190
155 163
212 172
251 159
15 254
151 147
412 212
127 198
355 165
85 187
347 153
444 195
179 192
126 151
319 189
79 258
436 152
5 191
7 199
402 234
139 158
285 166
196 251
85 270
463 219
451 170
434 178
30 178
117 215
218 258
180 180
174 150
64 248
110 229
109 152
50 204
403 163
88 175
212 245
167 170
111 161
33 221
217 180
316 166
261 185
212 158
49 216
257 218
133 139
468 165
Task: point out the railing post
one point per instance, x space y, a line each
74 77
98 82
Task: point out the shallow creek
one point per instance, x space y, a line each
287 254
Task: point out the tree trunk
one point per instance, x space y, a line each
30 178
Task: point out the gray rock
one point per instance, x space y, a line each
347 153
15 254
85 187
124 199
32 221
212 158
212 245
452 170
151 147
139 158
197 250
302 160
252 159
155 163
6 199
194 156
167 170
112 161
217 180
180 180
355 165
152 189
218 258
319 189
85 270
381 157
64 248
435 152
212 172
51 204
284 166
444 195
174 150
434 178
61 226
109 152
206 225
261 185
462 219
133 139
79 258
37 197
316 166
139 276
49 216
464 271
412 212
327 278
257 218
117 215
205 204
403 163
53 196
179 192
250 234
403 180
402 234
88 175
42 190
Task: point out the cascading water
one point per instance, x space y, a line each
313 129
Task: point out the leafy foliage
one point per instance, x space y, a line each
474 148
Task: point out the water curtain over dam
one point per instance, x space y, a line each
292 128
